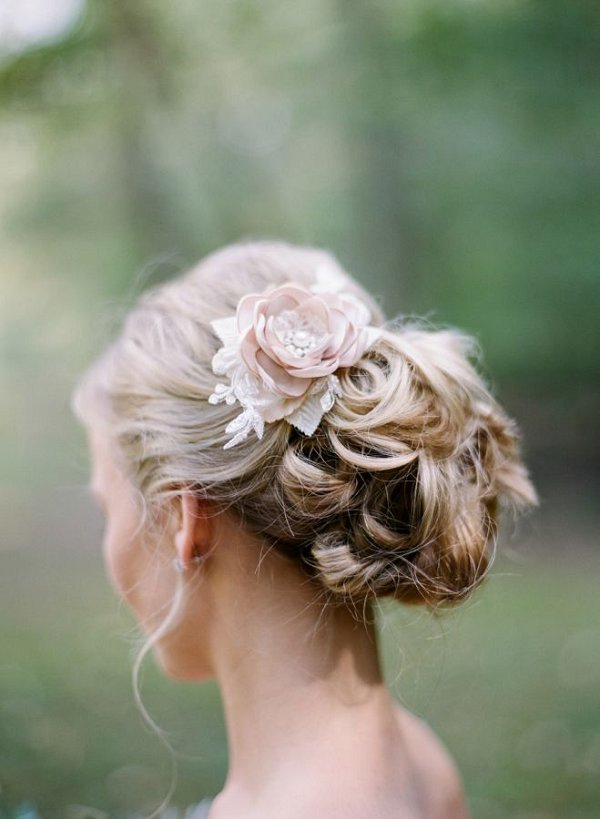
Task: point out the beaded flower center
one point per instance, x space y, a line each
298 333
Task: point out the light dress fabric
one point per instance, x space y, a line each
199 811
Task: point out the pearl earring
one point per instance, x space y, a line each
178 563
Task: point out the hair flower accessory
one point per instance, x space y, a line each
281 351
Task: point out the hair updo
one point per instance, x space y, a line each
398 492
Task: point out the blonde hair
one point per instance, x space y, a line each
398 493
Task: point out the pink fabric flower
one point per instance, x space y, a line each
291 336
281 351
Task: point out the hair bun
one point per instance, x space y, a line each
419 459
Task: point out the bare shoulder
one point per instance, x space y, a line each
435 768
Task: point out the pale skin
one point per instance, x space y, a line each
312 729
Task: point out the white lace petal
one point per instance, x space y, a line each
373 334
224 360
241 436
358 310
333 389
327 400
226 329
308 416
328 280
259 425
222 393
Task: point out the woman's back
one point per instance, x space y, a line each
428 786
439 783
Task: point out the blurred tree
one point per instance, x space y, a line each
448 152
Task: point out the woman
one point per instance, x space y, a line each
273 457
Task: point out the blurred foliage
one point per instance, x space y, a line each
448 151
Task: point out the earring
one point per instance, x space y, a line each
180 568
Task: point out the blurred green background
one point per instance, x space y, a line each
449 154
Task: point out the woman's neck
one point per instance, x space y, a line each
301 684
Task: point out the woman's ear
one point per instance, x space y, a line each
194 536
